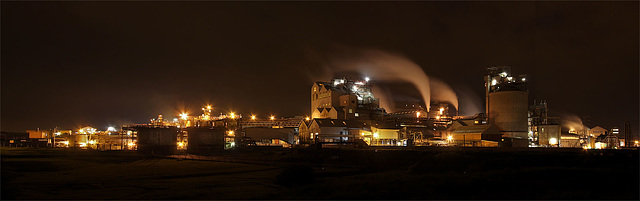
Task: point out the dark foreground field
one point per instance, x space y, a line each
419 173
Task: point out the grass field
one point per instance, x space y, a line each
429 173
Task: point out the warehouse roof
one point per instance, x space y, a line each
477 129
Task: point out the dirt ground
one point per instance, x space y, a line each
375 173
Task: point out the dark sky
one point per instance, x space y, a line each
70 64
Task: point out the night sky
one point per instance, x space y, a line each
71 64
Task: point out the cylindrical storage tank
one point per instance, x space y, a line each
508 112
160 141
205 141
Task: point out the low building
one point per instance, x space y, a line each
386 136
13 139
570 140
476 136
39 133
271 136
333 130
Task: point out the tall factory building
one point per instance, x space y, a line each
344 99
507 105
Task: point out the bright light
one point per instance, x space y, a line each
208 107
417 114
131 144
509 78
553 141
355 88
233 115
375 135
184 116
441 111
92 142
231 133
366 79
83 144
58 133
450 137
493 82
81 131
66 142
272 117
111 129
524 79
253 117
307 118
438 117
503 74
180 144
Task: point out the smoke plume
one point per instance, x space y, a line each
386 99
470 102
571 122
383 66
440 91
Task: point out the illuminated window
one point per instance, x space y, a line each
350 111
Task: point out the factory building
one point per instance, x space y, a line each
507 105
12 139
157 140
206 140
273 132
387 134
570 140
597 131
549 135
611 139
543 130
39 133
476 136
334 130
344 99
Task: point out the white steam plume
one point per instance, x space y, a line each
571 122
386 99
384 66
440 91
470 102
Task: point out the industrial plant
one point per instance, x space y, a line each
346 113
